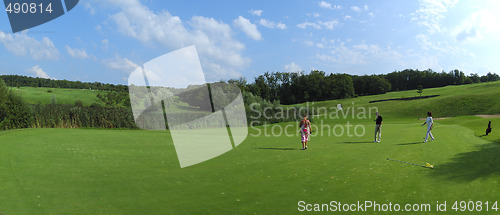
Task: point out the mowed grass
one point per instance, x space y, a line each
88 171
91 171
35 95
453 101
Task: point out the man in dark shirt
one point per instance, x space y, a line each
378 128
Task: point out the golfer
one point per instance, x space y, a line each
378 128
430 124
305 130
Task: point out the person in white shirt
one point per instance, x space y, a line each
378 128
430 125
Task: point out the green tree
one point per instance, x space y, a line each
420 89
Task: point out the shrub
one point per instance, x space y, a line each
78 103
14 112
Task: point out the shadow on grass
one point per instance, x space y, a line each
469 166
356 142
405 144
278 148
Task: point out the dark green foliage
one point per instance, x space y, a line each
409 79
420 89
114 99
69 116
23 81
293 88
371 85
95 104
490 77
78 103
14 113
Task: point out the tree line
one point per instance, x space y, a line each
292 88
24 81
268 92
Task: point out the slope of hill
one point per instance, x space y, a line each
463 100
34 95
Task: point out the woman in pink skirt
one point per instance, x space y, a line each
305 130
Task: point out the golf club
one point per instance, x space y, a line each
427 165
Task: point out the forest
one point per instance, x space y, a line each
293 88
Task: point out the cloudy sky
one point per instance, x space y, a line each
105 40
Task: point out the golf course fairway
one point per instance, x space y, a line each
94 171
88 171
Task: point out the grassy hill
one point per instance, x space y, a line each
452 101
92 171
34 95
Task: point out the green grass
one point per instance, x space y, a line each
34 95
88 171
91 171
453 101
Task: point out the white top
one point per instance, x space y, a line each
429 121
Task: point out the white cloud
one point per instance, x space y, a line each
315 15
309 24
477 26
270 24
440 48
21 44
330 24
256 12
89 7
371 14
356 9
292 67
431 12
214 40
347 17
366 7
105 44
309 43
77 53
37 71
327 5
249 28
424 41
360 54
120 63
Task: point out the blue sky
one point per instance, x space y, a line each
105 40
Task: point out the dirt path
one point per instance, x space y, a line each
482 116
437 118
488 116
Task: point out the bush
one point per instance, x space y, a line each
95 104
14 112
70 116
78 103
